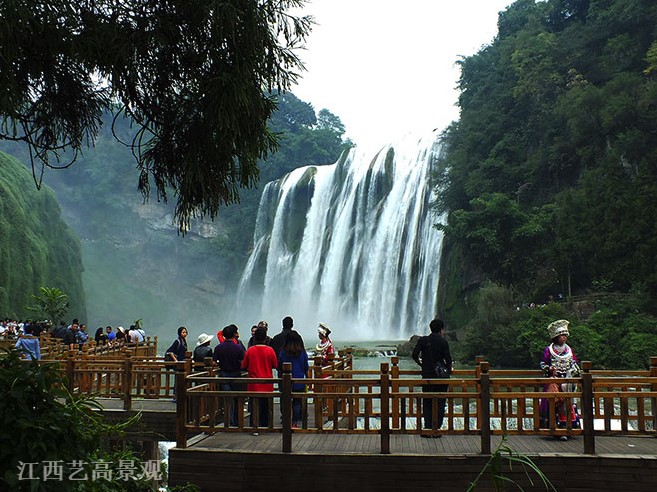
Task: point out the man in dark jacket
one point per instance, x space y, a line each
229 355
71 336
278 342
430 350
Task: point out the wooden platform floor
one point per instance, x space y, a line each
320 462
163 411
448 445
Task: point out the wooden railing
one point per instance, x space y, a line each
480 402
339 399
53 348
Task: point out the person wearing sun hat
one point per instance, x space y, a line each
325 346
203 350
558 361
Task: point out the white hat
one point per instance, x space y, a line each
324 330
203 338
558 327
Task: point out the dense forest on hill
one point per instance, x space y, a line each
549 178
37 248
136 264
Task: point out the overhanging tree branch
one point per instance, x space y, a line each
194 76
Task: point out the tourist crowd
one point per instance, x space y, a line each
258 359
73 335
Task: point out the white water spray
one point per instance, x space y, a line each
352 244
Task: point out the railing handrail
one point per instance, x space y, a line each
389 391
390 395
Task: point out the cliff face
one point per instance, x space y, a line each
459 281
37 248
136 265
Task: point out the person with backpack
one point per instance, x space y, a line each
176 351
203 350
432 354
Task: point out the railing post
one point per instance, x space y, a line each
181 409
385 409
477 373
317 390
70 371
286 407
478 359
484 406
653 387
127 381
350 359
188 363
395 403
587 408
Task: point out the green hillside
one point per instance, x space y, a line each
37 249
550 175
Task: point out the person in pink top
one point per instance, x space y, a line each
259 361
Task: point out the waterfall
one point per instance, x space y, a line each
351 244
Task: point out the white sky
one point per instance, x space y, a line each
387 67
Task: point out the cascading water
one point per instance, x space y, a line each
351 244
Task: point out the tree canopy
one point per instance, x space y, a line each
550 173
549 183
196 77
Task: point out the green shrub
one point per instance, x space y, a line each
45 429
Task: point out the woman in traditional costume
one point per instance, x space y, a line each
558 361
325 346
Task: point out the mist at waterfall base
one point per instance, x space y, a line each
352 244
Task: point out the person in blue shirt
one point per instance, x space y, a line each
111 336
82 335
294 352
29 345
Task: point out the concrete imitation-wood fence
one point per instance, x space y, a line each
479 401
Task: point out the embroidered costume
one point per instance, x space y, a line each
559 361
325 346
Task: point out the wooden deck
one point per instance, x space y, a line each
481 406
321 461
326 462
635 446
